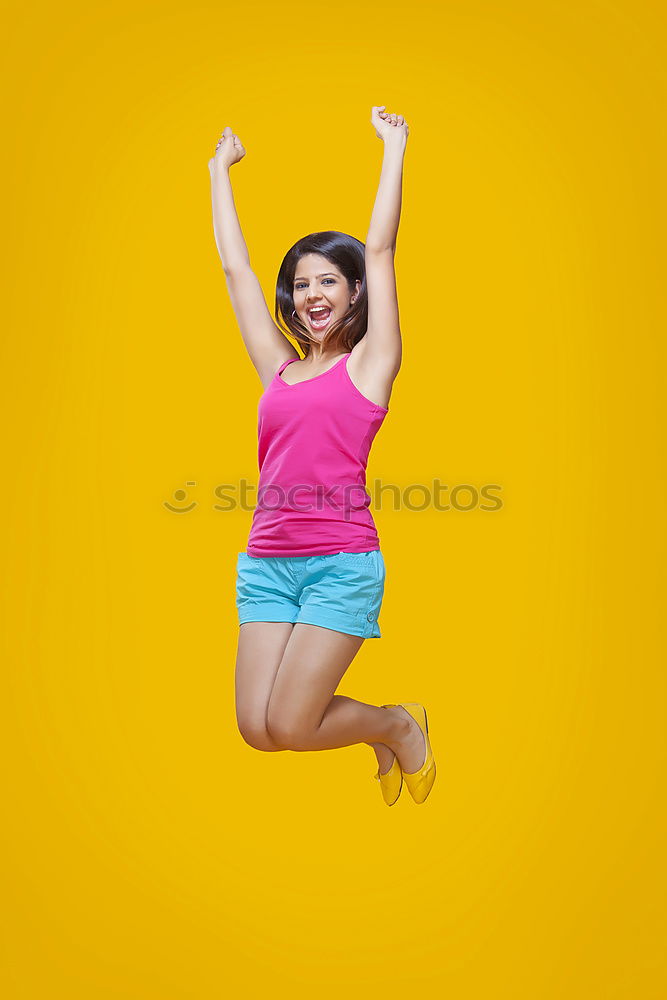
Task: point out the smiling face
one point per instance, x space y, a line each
321 294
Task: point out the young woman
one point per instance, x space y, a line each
309 587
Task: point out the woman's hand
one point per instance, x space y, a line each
228 151
388 126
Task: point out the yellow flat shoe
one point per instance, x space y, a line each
420 782
391 783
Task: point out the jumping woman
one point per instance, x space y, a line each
309 587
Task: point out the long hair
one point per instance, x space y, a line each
347 253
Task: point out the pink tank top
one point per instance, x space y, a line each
314 441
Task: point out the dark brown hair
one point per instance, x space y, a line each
347 253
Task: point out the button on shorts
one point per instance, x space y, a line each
342 591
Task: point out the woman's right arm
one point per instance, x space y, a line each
266 344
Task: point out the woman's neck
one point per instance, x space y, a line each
320 359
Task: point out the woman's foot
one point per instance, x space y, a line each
410 745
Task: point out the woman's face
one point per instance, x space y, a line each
321 294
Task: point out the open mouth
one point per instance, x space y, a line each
319 317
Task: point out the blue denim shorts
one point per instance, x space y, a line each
342 591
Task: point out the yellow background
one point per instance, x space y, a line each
148 851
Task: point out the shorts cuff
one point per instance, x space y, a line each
314 614
267 613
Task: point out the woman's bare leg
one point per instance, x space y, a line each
261 646
304 714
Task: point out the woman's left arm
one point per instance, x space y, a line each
383 336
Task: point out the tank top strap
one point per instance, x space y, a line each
341 364
285 364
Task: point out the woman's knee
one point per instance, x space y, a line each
258 737
289 734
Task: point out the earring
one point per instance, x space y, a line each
293 312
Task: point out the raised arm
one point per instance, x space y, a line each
383 347
266 344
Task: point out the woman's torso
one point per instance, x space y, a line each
314 439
